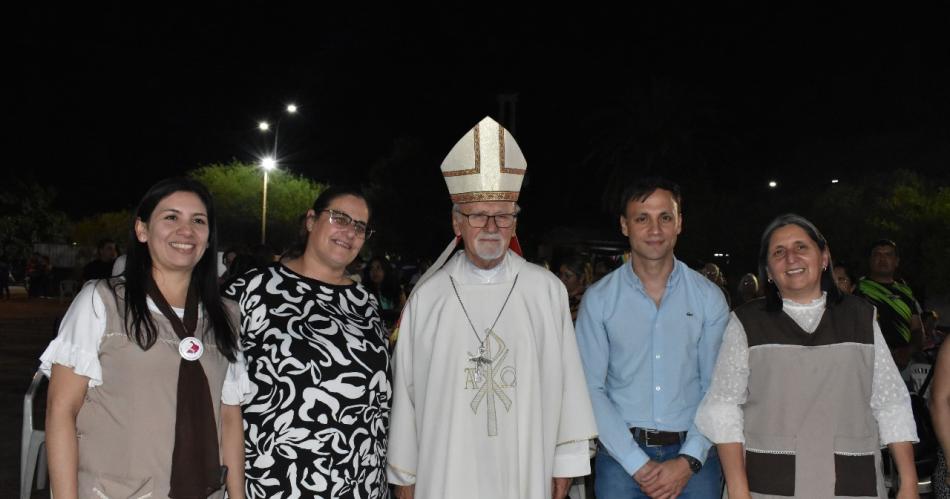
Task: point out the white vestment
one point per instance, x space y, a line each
505 433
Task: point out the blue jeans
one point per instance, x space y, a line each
611 481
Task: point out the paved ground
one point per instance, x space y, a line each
26 327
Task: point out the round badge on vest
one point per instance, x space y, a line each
190 348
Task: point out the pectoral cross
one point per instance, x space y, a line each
490 388
481 359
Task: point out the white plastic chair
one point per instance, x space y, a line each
33 448
67 287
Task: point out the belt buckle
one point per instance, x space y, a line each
646 437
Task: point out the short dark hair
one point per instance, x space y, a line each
773 301
883 242
643 188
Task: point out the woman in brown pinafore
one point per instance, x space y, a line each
146 378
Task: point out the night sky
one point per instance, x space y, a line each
113 98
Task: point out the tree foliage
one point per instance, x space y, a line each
27 216
238 188
112 225
904 206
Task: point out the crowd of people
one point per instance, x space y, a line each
483 375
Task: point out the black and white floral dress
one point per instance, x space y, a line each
317 417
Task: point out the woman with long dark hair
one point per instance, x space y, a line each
146 377
318 358
805 391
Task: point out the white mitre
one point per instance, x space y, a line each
486 164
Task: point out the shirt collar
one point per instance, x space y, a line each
671 282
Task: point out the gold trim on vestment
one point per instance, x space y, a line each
478 159
476 139
501 154
473 197
578 440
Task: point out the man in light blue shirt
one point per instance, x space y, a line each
649 334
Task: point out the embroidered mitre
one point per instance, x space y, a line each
486 164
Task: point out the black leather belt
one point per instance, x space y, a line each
656 438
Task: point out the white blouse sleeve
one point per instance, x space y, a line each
77 343
719 416
237 385
890 402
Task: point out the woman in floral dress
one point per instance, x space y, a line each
317 418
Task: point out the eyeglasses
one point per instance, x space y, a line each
344 220
480 220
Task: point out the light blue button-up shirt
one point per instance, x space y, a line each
649 366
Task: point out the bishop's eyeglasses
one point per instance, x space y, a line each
346 221
480 220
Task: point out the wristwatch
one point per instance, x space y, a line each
694 464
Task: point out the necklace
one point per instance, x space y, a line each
481 359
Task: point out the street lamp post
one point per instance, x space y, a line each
267 164
264 126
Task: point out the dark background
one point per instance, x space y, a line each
104 100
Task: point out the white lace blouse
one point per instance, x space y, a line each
720 415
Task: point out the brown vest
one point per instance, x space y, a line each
126 426
808 424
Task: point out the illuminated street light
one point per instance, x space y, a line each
267 164
773 184
834 181
264 126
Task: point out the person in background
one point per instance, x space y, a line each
933 337
576 274
805 391
711 271
227 259
381 280
4 277
898 311
844 278
38 270
146 376
601 268
748 289
101 267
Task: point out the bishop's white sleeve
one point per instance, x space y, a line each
80 332
572 459
890 402
403 452
720 416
